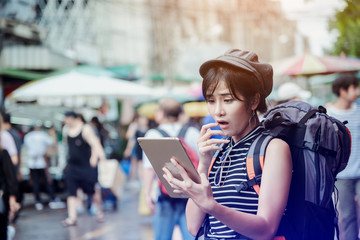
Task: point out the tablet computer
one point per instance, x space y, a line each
159 151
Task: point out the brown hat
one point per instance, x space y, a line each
244 60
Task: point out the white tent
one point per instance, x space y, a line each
73 84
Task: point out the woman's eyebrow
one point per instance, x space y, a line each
221 94
225 94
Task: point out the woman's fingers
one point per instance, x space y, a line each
211 145
206 127
175 182
213 141
207 132
186 185
182 171
170 178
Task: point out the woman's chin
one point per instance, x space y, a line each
226 133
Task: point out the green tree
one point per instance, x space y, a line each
347 24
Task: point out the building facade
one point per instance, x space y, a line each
166 38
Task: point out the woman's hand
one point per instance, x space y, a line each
208 145
93 161
200 193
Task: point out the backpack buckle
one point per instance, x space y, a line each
312 146
242 186
246 185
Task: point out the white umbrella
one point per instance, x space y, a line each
74 84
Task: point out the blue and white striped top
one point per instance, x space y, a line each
234 172
351 115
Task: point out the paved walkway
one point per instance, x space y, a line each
125 223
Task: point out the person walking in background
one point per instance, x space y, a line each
51 153
235 86
346 108
8 191
290 91
17 140
99 129
84 152
8 143
102 134
36 144
137 128
7 126
167 211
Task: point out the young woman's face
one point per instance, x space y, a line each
231 114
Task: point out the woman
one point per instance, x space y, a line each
235 86
137 128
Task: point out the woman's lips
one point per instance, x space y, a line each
223 124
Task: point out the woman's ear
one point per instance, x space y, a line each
255 101
343 91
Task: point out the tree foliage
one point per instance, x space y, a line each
347 24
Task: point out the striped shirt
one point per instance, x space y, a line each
351 115
233 173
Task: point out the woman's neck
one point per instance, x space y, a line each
252 125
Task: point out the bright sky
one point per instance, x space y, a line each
312 17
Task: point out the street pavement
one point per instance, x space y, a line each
123 224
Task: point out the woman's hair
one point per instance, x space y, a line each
95 120
238 82
344 81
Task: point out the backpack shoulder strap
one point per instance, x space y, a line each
165 134
255 163
182 131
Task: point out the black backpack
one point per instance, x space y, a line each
320 148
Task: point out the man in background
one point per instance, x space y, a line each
36 143
168 211
346 108
290 91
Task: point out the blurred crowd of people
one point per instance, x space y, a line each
86 141
36 151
